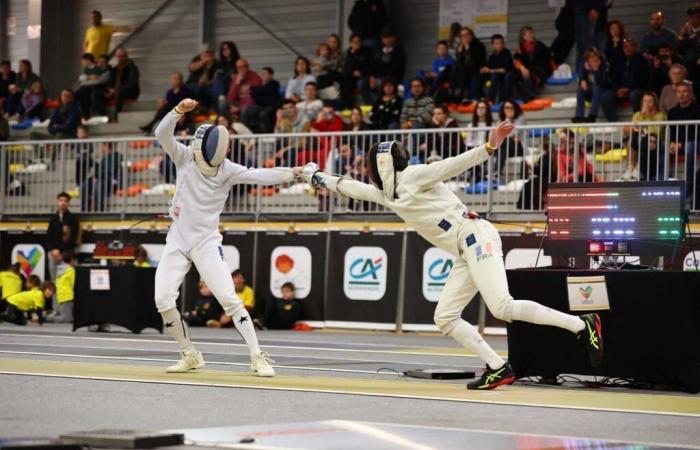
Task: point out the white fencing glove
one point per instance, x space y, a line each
308 171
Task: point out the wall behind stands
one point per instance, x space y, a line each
17 43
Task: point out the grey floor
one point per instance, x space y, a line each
41 406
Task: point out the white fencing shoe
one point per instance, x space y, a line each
188 362
260 363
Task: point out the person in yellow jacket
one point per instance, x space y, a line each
30 302
11 283
244 292
65 289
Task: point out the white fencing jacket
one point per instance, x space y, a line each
424 202
199 200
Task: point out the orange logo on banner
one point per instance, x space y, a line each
284 263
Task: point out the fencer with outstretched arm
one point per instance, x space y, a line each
418 194
205 177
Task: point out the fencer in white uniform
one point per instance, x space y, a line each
418 195
204 180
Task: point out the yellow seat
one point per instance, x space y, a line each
614 155
14 168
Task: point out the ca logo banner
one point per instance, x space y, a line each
364 273
437 265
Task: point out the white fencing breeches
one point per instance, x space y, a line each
208 258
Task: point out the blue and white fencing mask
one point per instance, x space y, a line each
210 145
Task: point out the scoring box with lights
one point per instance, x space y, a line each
614 218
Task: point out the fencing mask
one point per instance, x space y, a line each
385 158
210 145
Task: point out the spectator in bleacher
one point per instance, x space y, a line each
661 63
107 178
267 101
594 81
282 313
240 95
386 111
178 91
453 38
586 16
367 19
327 121
387 62
302 75
658 35
241 150
511 147
30 304
206 308
668 99
225 69
325 70
417 110
290 121
688 44
33 101
357 122
630 77
64 120
202 69
532 64
311 104
444 144
24 80
356 67
90 79
84 163
499 69
98 105
98 35
482 118
572 163
62 233
512 112
470 57
336 54
439 72
644 141
566 35
614 43
7 77
683 139
123 85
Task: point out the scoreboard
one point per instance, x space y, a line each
644 218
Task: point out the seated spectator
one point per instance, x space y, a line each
84 163
11 283
532 64
629 76
682 139
89 74
30 303
593 82
466 78
326 122
499 69
367 19
356 67
417 110
535 189
141 260
281 313
511 147
98 35
677 74
357 122
178 91
657 35
107 178
33 101
24 80
64 120
454 39
240 95
289 120
7 77
266 98
225 70
386 111
336 53
302 75
439 72
388 62
95 104
311 106
324 69
572 163
481 118
443 144
615 42
202 69
512 112
688 44
65 289
644 142
241 150
661 64
353 145
206 310
245 293
123 85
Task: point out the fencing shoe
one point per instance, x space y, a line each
592 337
260 363
189 361
493 378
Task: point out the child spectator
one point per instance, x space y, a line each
594 80
141 260
281 313
532 63
499 68
440 69
244 292
386 111
11 283
206 309
302 75
29 303
33 101
65 290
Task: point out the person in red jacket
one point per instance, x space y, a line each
327 121
572 163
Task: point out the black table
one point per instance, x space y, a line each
129 303
651 332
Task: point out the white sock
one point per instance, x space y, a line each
244 325
532 312
177 329
467 335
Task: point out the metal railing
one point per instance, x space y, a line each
130 176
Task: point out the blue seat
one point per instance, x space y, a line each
481 187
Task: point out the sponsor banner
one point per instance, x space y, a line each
290 264
31 258
364 273
691 262
437 264
587 293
